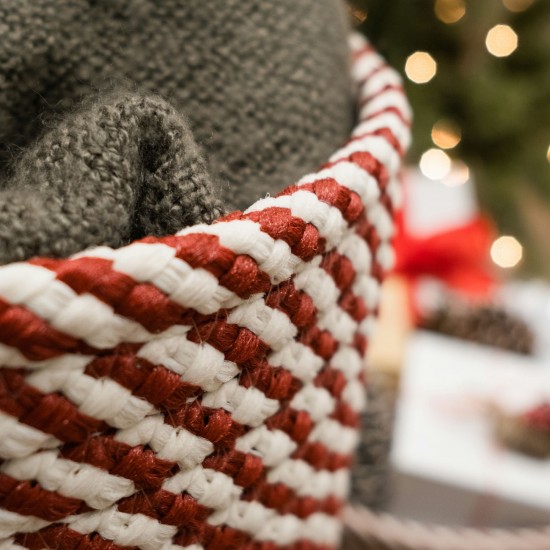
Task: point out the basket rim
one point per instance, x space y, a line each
406 534
56 316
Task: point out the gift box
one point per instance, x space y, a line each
442 243
450 467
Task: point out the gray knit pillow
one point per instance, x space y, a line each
260 90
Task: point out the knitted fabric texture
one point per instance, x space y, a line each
119 170
203 390
245 74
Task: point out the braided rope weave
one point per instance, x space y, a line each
384 532
202 390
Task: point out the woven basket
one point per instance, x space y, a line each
371 531
202 390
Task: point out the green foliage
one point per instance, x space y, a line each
501 104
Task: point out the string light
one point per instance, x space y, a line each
435 164
459 174
450 11
501 40
517 5
446 134
420 67
506 251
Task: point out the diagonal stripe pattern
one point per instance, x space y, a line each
203 390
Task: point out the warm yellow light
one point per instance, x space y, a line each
459 174
446 134
501 40
450 11
420 67
517 5
548 154
506 251
435 164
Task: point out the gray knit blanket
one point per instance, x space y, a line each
126 118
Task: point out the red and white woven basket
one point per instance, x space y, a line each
202 390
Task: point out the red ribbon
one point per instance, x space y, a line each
459 257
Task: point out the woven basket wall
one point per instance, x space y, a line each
202 390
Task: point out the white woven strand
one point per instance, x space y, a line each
375 85
365 66
305 205
11 357
248 406
388 119
9 544
156 264
393 99
334 436
125 529
266 525
37 289
307 481
97 488
176 444
246 237
11 523
272 446
18 440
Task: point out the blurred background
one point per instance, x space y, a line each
458 429
478 76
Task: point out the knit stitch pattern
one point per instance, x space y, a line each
254 79
203 390
116 171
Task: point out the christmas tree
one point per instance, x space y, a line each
478 76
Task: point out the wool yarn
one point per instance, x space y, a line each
264 85
120 169
203 390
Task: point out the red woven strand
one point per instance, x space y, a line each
34 337
29 499
50 413
139 464
62 537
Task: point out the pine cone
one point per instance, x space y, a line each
487 325
528 433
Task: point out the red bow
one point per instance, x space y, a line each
459 257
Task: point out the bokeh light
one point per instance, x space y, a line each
506 251
517 5
548 154
446 134
459 174
420 67
501 40
450 11
435 164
